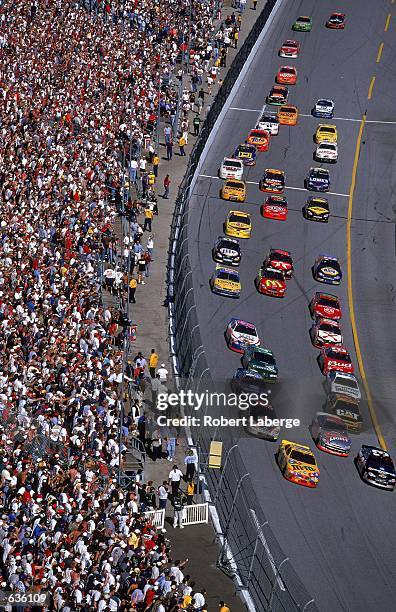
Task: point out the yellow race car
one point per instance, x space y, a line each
225 281
326 133
298 463
238 224
234 190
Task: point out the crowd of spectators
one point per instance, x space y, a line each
81 85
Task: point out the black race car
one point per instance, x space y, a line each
227 251
376 467
248 381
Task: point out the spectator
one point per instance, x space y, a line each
153 362
182 144
163 373
175 476
167 183
190 462
178 504
196 125
223 607
163 495
148 217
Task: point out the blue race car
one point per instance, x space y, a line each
327 269
247 153
318 179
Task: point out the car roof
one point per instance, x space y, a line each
273 170
323 256
242 321
240 213
338 349
331 417
232 180
233 159
281 251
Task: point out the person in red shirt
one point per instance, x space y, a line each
167 183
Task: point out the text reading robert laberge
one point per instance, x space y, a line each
197 401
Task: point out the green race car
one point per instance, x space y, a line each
302 24
261 360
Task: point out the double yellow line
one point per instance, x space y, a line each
351 305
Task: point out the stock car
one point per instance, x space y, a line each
336 21
302 24
330 434
246 153
260 139
256 421
226 282
270 281
316 209
327 270
250 382
288 115
233 190
238 224
227 251
325 305
290 48
317 179
275 207
278 95
269 122
231 168
286 75
273 181
324 108
240 334
343 384
326 152
335 358
376 467
326 132
298 464
347 409
280 260
325 332
261 360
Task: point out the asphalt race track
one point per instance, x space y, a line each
340 537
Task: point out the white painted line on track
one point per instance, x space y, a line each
256 110
341 195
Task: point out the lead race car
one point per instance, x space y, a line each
274 207
240 334
327 270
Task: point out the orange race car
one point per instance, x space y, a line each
287 75
288 115
260 139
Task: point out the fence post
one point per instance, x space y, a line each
311 601
225 534
254 553
275 583
222 473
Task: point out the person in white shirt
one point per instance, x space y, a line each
175 476
199 600
162 373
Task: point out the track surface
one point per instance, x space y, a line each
341 536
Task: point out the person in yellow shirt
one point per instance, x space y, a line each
148 217
153 362
187 601
182 144
156 161
132 290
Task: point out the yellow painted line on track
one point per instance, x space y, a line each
379 54
370 91
373 414
387 22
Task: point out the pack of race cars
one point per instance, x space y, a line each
331 428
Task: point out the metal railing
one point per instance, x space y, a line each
249 548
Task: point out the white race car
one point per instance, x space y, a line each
231 168
343 384
240 334
323 108
326 152
269 122
325 331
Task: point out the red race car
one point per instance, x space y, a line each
326 306
280 260
271 282
275 207
260 139
336 21
335 358
290 48
286 75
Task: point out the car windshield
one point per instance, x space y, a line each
288 70
264 357
269 119
273 176
336 18
333 354
346 382
304 19
333 425
282 257
231 246
377 461
324 103
323 301
260 412
231 163
331 263
304 457
327 145
330 130
234 185
327 327
239 219
244 329
230 276
288 109
345 407
245 149
273 274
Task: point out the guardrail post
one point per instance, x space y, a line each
225 534
275 583
222 473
